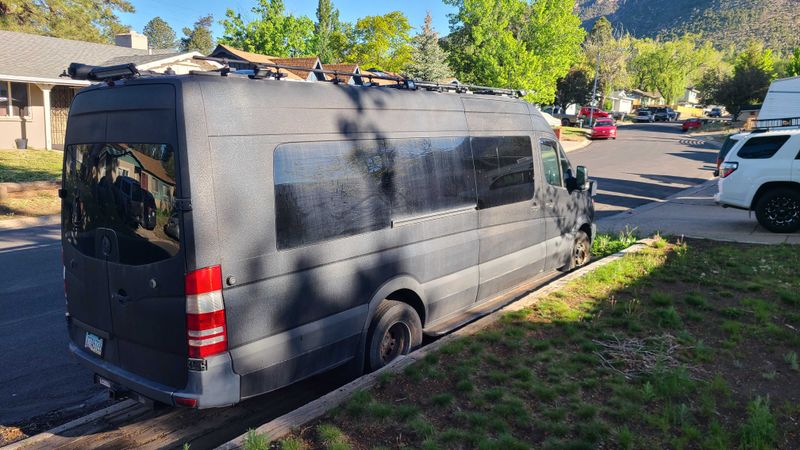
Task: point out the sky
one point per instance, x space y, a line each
183 13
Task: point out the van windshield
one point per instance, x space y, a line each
123 192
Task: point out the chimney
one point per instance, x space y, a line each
131 39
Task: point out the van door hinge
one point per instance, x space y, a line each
183 204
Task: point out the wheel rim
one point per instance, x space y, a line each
783 210
581 254
395 342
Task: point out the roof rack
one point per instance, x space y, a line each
771 124
272 70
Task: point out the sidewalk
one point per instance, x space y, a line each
693 213
571 146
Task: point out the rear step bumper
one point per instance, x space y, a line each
216 386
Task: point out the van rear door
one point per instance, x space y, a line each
124 265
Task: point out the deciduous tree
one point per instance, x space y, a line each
793 65
382 42
83 20
330 41
574 88
609 55
199 37
514 43
159 34
273 32
428 59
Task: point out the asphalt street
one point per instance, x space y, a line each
646 163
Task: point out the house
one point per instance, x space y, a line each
642 98
307 68
35 97
345 68
620 102
691 97
381 73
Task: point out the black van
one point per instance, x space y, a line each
298 227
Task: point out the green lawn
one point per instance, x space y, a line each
683 345
574 133
29 165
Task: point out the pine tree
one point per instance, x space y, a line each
428 59
159 34
326 20
199 38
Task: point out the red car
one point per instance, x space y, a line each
586 111
693 124
604 129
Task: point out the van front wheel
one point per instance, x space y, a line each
395 330
581 252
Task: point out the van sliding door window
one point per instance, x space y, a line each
328 190
504 170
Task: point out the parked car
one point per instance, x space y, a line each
604 129
693 123
665 114
595 113
761 173
715 112
645 115
561 115
135 203
293 246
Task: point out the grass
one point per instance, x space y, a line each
30 204
702 357
19 166
574 133
606 244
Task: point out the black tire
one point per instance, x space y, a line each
778 210
565 122
581 252
395 330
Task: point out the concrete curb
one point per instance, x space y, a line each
283 425
580 146
29 222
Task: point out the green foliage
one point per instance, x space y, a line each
514 43
575 87
609 56
271 33
758 432
330 40
159 34
793 65
607 244
428 59
255 441
753 72
382 42
82 20
199 37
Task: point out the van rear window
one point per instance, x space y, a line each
327 190
123 192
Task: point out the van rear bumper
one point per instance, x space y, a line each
215 387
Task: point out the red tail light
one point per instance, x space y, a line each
206 333
728 168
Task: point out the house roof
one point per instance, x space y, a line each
309 62
226 51
346 68
653 95
381 82
29 57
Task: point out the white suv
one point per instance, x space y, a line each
761 173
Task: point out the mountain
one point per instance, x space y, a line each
724 22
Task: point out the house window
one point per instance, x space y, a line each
14 99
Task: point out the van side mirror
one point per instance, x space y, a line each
582 178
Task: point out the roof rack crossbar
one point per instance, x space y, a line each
401 81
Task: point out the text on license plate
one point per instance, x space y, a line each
94 344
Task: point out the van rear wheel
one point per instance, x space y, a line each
779 211
395 330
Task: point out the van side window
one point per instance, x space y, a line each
762 147
325 190
552 166
426 175
328 190
503 169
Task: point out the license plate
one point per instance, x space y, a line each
94 343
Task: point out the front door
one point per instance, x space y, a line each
561 208
511 224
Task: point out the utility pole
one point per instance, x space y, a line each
594 91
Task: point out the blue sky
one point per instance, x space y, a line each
183 13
